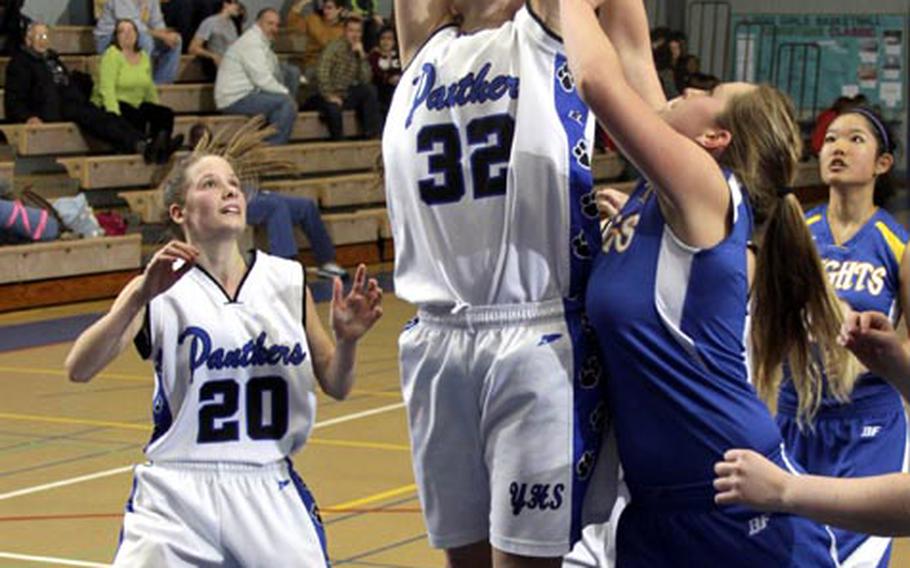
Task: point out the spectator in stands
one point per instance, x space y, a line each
251 81
663 60
386 66
368 11
345 81
185 16
828 115
279 213
161 44
321 27
215 35
13 25
125 88
686 67
39 88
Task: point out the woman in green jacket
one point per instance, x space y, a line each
125 87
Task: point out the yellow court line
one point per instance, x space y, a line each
73 421
147 428
148 379
403 490
355 444
62 373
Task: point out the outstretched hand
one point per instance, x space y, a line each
353 315
745 477
161 274
871 337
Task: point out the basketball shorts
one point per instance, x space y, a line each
220 514
682 527
505 409
853 441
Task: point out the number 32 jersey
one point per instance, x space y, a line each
233 376
488 170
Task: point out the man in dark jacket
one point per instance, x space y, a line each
39 89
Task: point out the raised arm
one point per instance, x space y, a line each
105 339
684 173
626 24
415 20
875 505
351 317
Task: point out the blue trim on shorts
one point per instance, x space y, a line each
128 508
309 502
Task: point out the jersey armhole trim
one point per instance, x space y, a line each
541 23
426 41
143 339
303 294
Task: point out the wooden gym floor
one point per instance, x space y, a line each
66 452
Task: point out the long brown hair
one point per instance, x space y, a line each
796 316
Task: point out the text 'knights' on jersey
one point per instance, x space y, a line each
487 151
864 271
233 377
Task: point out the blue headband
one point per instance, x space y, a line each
876 123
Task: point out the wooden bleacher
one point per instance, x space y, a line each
60 138
105 172
79 40
190 70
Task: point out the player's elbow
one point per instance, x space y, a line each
75 373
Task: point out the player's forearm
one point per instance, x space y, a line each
340 373
98 345
626 24
877 505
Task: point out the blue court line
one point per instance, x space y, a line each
39 440
26 335
65 329
384 548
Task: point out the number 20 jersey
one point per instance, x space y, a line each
488 170
233 377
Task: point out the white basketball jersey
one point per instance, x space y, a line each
488 172
234 380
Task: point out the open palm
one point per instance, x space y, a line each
352 315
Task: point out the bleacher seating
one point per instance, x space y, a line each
79 40
340 176
56 259
104 172
59 138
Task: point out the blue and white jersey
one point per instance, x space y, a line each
865 273
487 151
672 320
233 377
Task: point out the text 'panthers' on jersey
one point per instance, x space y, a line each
234 379
487 151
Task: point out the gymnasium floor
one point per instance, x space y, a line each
66 451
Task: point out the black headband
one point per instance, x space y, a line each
877 124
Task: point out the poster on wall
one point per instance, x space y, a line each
818 58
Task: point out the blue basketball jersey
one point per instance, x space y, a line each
672 320
865 273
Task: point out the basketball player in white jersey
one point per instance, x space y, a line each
237 349
487 162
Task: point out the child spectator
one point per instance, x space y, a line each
386 66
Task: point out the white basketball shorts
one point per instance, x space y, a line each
220 514
505 410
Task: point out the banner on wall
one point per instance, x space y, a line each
818 58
